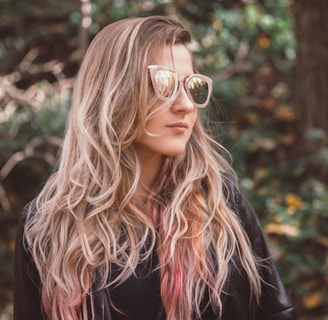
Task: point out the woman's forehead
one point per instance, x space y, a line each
176 57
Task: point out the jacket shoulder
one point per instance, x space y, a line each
27 286
275 304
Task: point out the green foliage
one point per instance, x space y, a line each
289 194
268 32
291 199
25 124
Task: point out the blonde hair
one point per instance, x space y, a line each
89 214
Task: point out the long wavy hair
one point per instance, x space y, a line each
90 214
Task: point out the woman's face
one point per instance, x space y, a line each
171 128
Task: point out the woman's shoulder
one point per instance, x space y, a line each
27 282
21 245
234 196
237 200
239 204
28 213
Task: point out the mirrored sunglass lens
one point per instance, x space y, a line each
198 89
165 83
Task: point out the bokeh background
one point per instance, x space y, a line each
269 63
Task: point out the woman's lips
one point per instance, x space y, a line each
179 126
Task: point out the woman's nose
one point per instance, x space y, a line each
183 102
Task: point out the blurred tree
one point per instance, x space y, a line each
312 65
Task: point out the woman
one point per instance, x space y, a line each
143 218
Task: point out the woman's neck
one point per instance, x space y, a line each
150 166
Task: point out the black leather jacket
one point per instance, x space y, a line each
141 299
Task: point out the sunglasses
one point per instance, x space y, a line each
166 84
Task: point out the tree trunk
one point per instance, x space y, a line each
312 65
